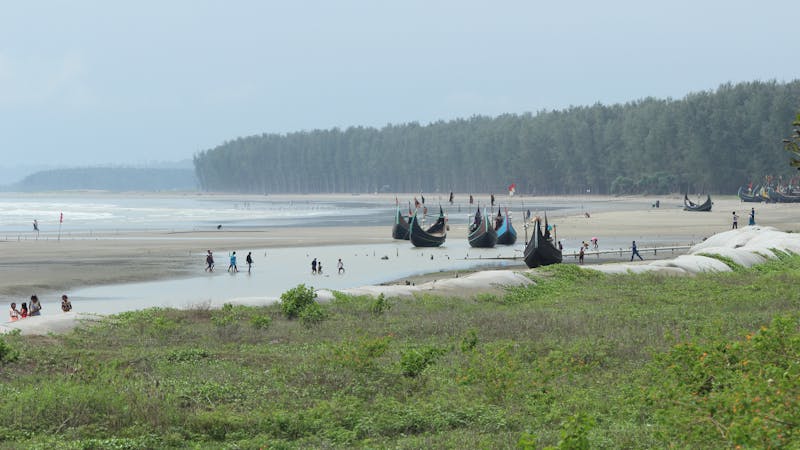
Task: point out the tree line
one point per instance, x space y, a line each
707 142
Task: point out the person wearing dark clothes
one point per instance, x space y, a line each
249 260
752 218
735 221
209 262
492 198
451 197
66 306
635 251
314 266
341 266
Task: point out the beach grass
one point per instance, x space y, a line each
578 360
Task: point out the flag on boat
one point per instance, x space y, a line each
512 189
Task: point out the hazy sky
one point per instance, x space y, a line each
96 82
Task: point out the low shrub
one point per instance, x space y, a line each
7 352
380 306
296 299
413 362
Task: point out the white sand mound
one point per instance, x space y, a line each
746 246
474 283
624 268
57 323
741 255
755 239
694 264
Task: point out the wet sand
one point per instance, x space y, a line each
50 265
30 266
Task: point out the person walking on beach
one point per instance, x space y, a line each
752 219
319 267
232 266
580 255
451 197
66 306
249 260
635 251
36 227
36 307
492 199
735 221
13 313
314 267
340 264
209 262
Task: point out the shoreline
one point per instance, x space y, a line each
35 266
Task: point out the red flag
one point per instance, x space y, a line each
61 219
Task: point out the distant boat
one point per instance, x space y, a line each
400 228
748 195
506 234
481 231
540 250
433 236
689 205
777 197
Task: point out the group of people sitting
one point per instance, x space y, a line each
35 308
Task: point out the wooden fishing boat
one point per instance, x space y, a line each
777 197
689 205
748 195
506 234
481 232
541 250
433 236
400 228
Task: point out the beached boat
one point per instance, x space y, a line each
433 236
540 250
481 231
506 234
689 205
777 197
400 228
750 195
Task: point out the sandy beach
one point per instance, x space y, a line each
30 265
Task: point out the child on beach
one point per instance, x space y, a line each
341 264
66 306
13 312
36 307
23 311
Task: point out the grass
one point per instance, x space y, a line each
578 360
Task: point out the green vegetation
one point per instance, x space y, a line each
712 141
792 144
579 360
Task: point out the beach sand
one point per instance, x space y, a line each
30 266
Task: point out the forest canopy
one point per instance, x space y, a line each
707 142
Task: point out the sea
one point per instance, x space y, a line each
102 215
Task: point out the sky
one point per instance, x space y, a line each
105 82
